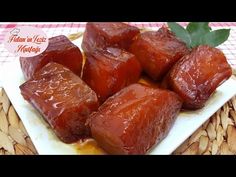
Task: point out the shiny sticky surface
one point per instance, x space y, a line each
197 75
60 50
102 35
63 99
46 142
134 119
108 71
158 51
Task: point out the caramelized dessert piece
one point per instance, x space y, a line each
107 34
158 51
197 75
63 99
108 71
134 119
60 50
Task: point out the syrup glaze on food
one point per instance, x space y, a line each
108 71
158 51
60 50
102 35
197 75
134 119
64 100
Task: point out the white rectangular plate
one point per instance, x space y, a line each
46 142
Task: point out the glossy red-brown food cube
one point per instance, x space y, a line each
158 51
108 71
64 100
197 75
134 119
107 34
60 50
